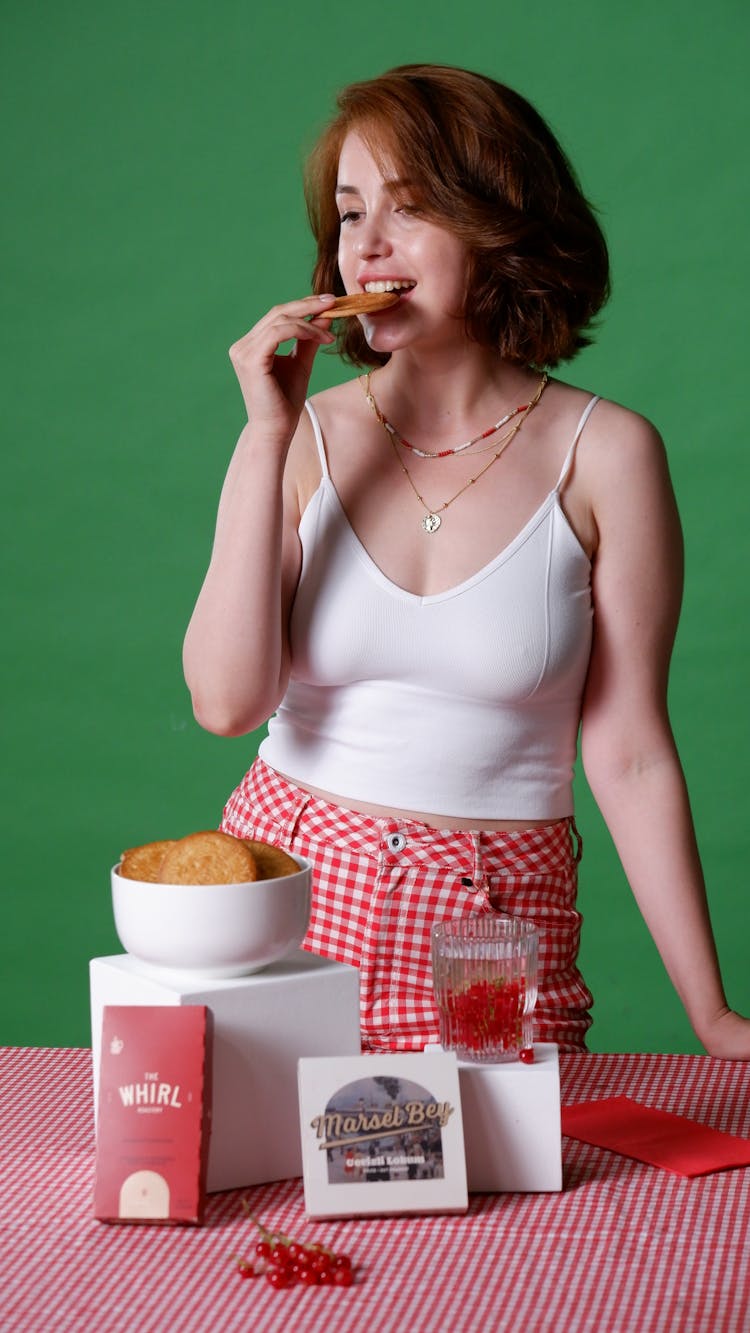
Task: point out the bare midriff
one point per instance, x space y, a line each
458 822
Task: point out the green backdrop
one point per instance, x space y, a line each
152 211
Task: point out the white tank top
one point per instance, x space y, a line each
464 703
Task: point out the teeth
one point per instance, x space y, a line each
390 285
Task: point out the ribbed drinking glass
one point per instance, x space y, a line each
485 977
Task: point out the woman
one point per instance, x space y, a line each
429 576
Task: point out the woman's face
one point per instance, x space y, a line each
385 242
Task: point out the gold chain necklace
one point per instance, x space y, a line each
432 520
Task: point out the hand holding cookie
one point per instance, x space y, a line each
274 385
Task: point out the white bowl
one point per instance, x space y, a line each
212 930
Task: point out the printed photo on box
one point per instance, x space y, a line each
383 1128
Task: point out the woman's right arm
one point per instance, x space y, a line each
236 653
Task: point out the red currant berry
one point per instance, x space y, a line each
343 1277
527 1055
279 1277
342 1261
308 1277
263 1249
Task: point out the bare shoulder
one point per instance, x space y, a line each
625 474
329 407
621 459
619 465
616 440
339 402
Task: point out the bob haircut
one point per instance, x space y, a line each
481 162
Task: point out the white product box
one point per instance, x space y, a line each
382 1134
262 1024
511 1115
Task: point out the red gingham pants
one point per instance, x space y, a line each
379 884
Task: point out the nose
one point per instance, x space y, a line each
371 238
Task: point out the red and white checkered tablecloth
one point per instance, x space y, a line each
625 1247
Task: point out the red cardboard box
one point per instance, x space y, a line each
153 1113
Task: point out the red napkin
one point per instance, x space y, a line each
658 1137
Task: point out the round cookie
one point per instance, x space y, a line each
144 863
272 863
209 858
358 303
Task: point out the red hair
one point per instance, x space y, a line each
486 166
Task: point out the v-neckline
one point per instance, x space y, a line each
551 501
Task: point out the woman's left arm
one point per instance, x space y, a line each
628 750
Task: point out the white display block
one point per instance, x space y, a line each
511 1115
301 1006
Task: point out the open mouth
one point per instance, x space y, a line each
390 285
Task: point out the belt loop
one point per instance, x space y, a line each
577 839
478 875
293 817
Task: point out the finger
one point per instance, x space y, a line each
302 335
304 330
304 354
305 308
263 343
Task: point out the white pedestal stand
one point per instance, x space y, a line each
511 1115
301 1006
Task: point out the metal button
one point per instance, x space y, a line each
396 842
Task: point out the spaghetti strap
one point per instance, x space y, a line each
318 437
591 404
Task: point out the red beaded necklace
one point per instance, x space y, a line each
432 520
441 453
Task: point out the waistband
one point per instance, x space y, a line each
553 847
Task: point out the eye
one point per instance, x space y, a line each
350 215
409 210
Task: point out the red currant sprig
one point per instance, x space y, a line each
283 1261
